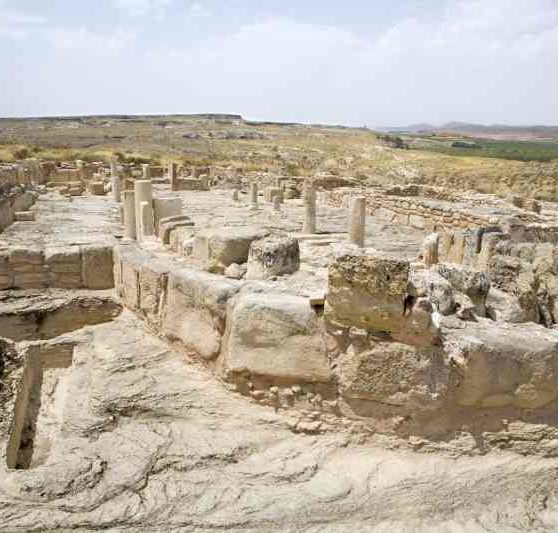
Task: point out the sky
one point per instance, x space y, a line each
354 62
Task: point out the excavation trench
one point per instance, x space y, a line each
39 404
45 367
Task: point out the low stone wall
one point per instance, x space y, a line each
380 350
14 199
69 267
421 213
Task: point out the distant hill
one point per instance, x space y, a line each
495 131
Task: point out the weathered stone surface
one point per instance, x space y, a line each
276 336
509 365
97 264
217 248
165 207
368 291
25 216
196 309
395 374
168 224
271 256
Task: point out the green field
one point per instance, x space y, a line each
500 149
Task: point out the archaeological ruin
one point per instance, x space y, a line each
202 348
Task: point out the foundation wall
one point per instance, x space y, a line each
72 267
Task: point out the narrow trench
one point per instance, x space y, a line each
38 409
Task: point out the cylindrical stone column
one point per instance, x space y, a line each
146 171
146 219
113 167
430 249
357 220
235 195
173 178
129 214
115 187
81 169
144 193
276 203
254 195
309 203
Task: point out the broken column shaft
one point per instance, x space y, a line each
357 220
129 214
144 220
309 203
430 249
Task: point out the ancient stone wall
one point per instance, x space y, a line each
13 200
389 342
70 267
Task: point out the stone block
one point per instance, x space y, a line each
96 188
277 336
503 365
168 224
393 373
24 216
97 267
30 280
271 256
63 259
165 207
196 310
153 275
368 291
181 240
218 248
26 256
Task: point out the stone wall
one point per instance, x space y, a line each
69 267
13 200
394 340
433 208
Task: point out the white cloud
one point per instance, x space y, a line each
197 9
96 43
142 7
477 60
16 24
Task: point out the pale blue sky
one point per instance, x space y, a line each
373 62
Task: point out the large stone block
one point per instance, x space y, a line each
97 267
502 365
368 292
153 276
168 224
395 374
165 207
277 336
218 248
271 256
196 310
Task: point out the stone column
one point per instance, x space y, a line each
489 243
235 195
357 220
309 203
144 221
81 169
276 203
146 171
254 195
195 174
113 167
115 187
173 178
430 249
129 214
